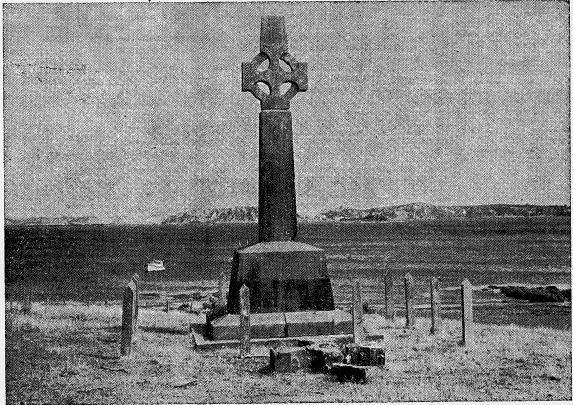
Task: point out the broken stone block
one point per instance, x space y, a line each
348 372
322 355
289 359
365 354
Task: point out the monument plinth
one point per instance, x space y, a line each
283 275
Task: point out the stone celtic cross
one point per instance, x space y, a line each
283 274
274 48
277 200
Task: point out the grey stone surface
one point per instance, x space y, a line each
283 276
276 324
197 323
309 323
263 325
342 322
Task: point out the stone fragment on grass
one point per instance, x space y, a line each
365 354
289 359
323 355
196 306
348 372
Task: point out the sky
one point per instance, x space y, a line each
136 110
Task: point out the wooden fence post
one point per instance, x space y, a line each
245 321
467 314
435 306
135 279
409 295
27 298
357 315
128 318
388 297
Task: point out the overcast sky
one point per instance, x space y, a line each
136 110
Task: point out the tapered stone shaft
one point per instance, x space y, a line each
277 201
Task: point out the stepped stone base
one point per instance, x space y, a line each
283 276
282 325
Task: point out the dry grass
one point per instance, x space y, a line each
69 354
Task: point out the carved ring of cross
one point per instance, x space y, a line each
274 76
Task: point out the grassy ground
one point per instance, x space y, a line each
69 354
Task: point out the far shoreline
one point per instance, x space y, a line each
300 221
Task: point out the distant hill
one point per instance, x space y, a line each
237 214
86 220
412 211
415 211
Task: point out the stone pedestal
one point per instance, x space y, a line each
365 354
283 276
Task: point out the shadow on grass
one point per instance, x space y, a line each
163 329
100 356
265 370
112 328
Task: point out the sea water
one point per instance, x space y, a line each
95 262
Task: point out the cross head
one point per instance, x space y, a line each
274 48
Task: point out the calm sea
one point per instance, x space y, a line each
95 262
